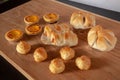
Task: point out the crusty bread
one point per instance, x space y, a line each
67 53
40 54
101 39
83 62
59 35
23 47
81 20
57 66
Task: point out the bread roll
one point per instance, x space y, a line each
51 17
67 53
57 66
83 62
14 35
59 35
40 54
101 39
81 20
23 47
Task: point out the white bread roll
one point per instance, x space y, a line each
81 20
101 39
59 35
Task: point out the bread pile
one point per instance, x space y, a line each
101 39
63 35
81 20
59 35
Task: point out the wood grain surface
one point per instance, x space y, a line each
105 65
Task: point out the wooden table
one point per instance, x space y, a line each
105 65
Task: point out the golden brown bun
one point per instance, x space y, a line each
31 19
83 62
33 29
101 39
23 47
57 66
59 35
51 17
67 53
14 35
40 54
81 20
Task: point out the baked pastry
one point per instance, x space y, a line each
101 39
57 66
23 47
31 19
81 20
33 29
51 17
83 62
40 54
59 35
67 53
14 35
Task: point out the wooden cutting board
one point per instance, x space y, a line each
105 65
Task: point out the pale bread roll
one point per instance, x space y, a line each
40 54
83 62
57 66
81 20
67 53
59 35
23 47
101 39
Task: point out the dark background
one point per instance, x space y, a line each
7 71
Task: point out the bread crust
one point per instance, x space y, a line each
101 39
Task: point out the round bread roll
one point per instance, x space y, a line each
14 35
23 47
81 20
33 29
51 17
40 54
83 62
31 19
101 39
57 66
67 53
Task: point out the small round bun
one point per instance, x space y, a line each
40 54
23 47
31 19
51 17
101 39
14 35
83 62
33 29
81 20
57 66
67 53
